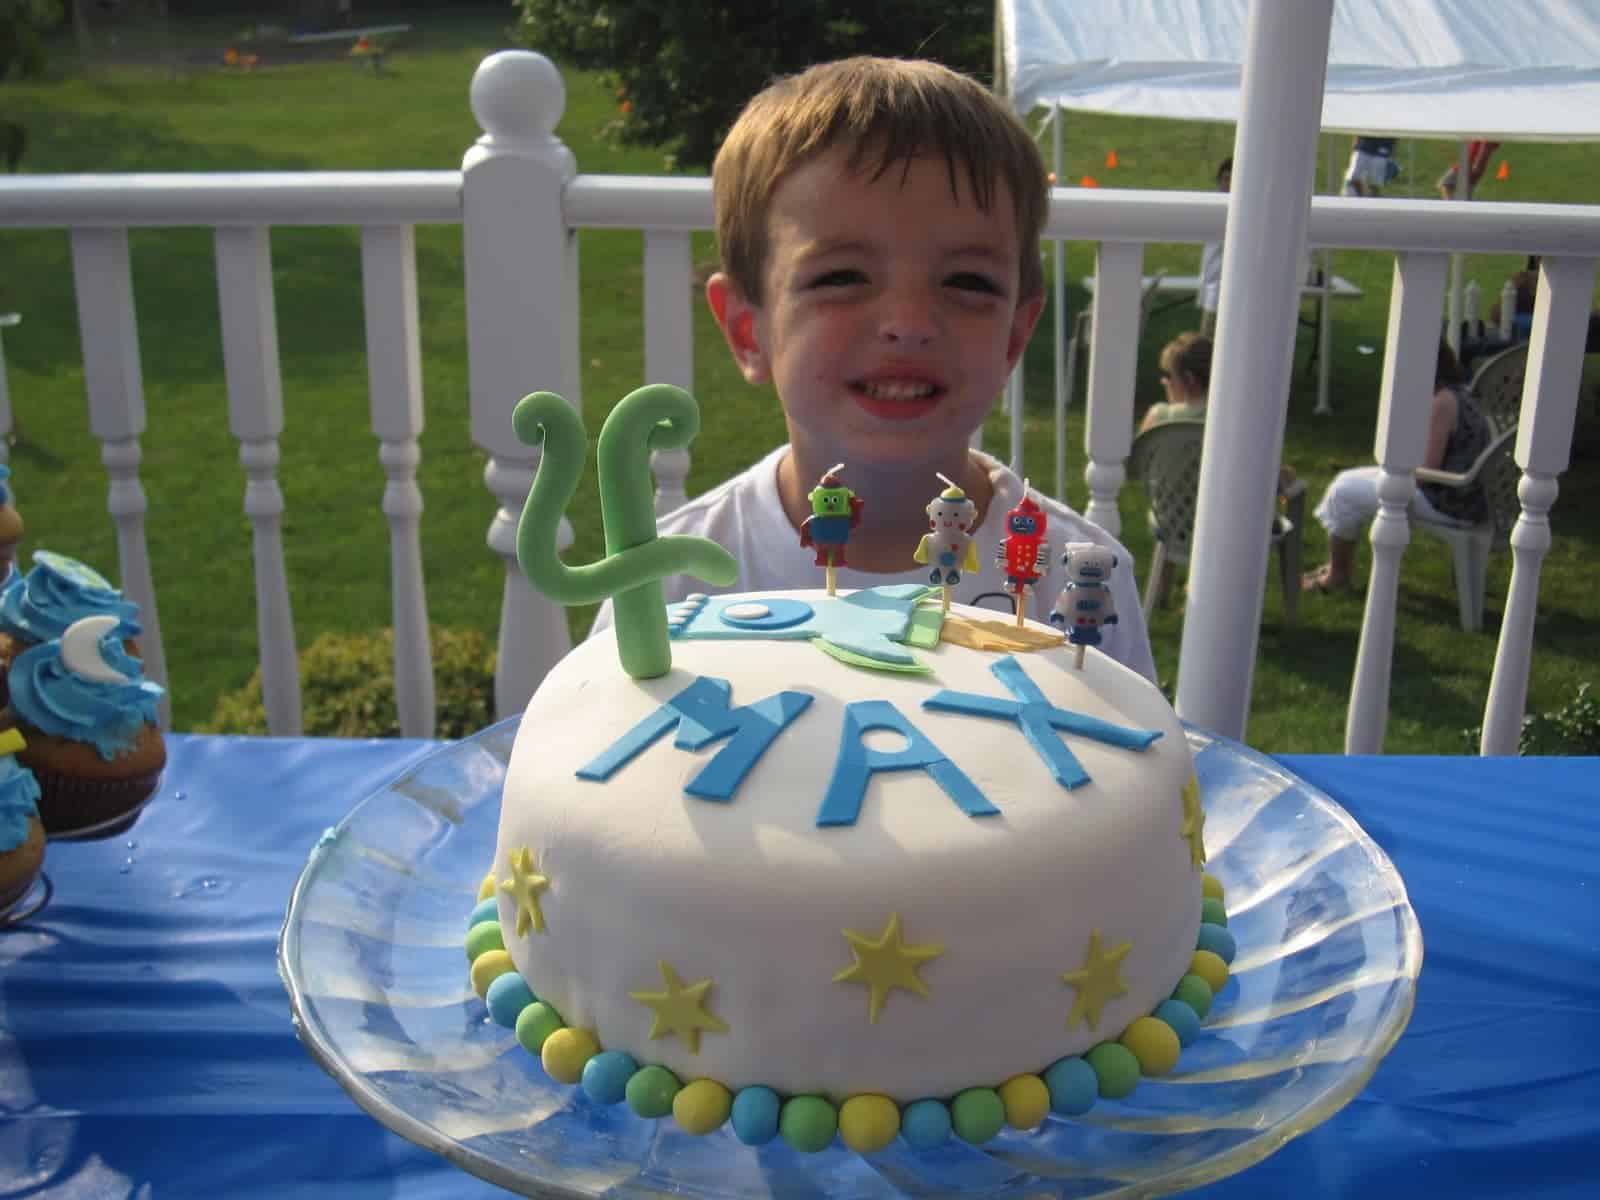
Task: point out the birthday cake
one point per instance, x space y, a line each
862 863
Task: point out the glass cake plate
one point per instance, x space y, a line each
372 956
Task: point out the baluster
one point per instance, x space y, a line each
1113 363
522 326
1544 447
1410 359
111 372
1472 302
7 320
669 345
255 416
394 383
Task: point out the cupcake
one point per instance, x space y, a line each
39 605
21 833
89 717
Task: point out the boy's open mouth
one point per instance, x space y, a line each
897 399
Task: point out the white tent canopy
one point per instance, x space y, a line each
1505 70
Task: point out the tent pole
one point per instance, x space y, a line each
1275 154
1458 261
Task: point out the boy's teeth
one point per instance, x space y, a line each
897 391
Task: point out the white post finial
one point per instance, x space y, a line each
517 96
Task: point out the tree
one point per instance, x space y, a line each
684 68
23 24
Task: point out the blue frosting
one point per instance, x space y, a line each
109 716
58 591
19 795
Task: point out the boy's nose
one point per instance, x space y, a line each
908 321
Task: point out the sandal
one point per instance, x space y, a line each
1321 580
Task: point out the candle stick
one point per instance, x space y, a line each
655 417
1024 551
835 511
1086 603
948 547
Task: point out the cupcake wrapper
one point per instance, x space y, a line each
86 808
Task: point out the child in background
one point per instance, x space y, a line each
1185 379
878 222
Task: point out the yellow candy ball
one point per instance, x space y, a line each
1154 1043
702 1106
1209 967
1211 886
488 967
486 888
565 1051
1027 1101
868 1123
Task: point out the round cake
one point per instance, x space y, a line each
850 846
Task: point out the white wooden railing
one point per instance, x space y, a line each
520 201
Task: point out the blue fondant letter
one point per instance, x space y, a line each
701 714
856 764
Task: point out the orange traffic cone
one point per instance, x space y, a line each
1111 160
1088 181
1505 170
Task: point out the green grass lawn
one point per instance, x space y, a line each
415 115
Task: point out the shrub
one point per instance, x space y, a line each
1572 729
347 687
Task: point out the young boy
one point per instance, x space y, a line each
878 222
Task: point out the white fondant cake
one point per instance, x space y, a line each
1018 926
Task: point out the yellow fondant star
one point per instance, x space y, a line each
885 963
525 885
1194 823
11 740
680 1010
1096 982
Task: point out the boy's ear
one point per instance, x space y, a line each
1022 323
737 318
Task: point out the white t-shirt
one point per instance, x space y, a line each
745 516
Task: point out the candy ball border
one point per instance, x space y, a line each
1068 1087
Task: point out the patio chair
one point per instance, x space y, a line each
1497 386
1166 458
1498 474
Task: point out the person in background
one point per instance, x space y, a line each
1185 379
1457 434
1372 166
1477 161
1211 262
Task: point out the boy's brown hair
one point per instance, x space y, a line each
887 111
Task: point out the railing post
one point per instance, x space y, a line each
1544 448
522 325
1113 364
1410 359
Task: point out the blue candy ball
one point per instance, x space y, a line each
507 996
755 1115
925 1124
1073 1087
606 1075
487 910
1184 1020
1218 940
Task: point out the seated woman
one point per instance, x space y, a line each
1185 379
1457 434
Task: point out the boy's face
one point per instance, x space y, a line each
890 318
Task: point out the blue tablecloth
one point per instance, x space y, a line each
146 1049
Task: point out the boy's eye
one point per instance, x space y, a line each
973 281
839 277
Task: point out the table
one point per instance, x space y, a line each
1175 288
146 1048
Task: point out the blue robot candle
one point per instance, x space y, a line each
1086 603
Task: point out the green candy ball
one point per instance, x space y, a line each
808 1123
1116 1069
485 935
1196 993
650 1092
1211 911
977 1115
536 1023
